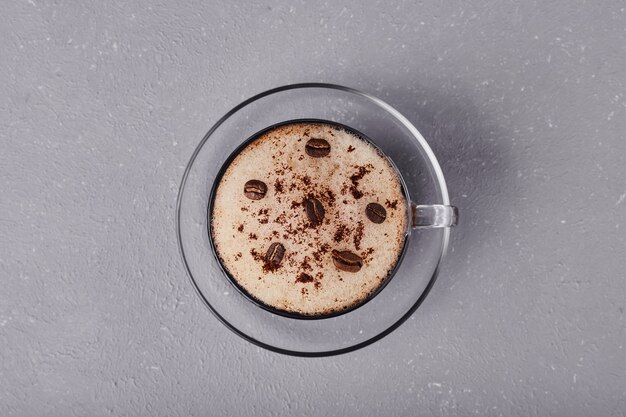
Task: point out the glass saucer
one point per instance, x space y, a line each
413 278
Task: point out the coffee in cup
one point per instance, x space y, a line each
309 218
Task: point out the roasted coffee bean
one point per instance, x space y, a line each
314 210
347 261
317 148
275 254
255 189
375 212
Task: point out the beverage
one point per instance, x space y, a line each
309 218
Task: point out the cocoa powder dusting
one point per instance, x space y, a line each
366 254
256 255
340 233
351 148
305 264
358 235
282 219
356 193
278 186
391 204
240 228
270 266
356 177
304 278
331 197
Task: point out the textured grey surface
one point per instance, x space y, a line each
102 104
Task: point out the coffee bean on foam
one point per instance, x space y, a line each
274 255
317 148
329 232
255 189
376 213
347 261
315 210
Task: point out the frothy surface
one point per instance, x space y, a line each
307 279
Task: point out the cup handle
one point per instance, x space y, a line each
433 216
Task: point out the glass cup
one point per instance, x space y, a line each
431 217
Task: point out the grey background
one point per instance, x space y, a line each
102 104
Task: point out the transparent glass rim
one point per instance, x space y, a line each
438 176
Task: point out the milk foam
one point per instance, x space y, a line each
351 176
